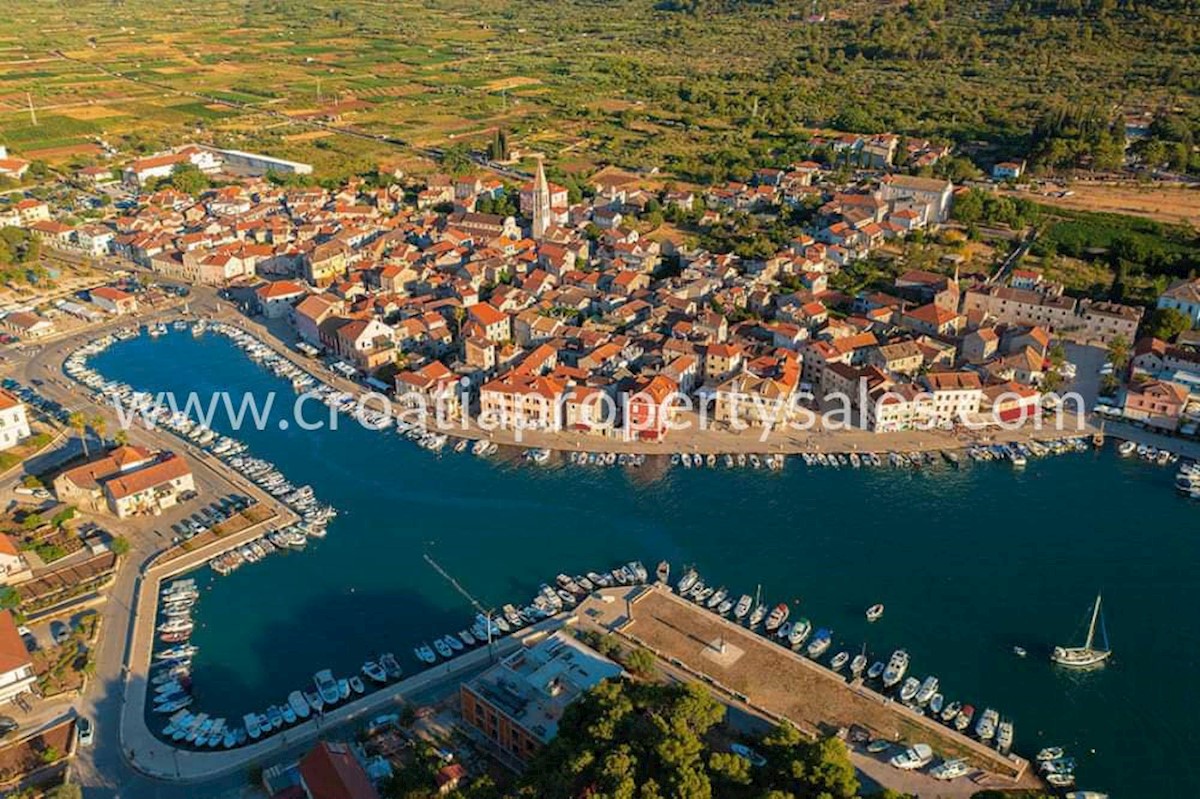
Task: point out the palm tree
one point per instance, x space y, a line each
100 425
79 423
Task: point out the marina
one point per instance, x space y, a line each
936 609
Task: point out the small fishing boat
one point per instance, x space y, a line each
374 671
778 616
839 660
950 711
909 689
876 670
1051 752
1019 651
820 643
857 665
875 612
392 666
356 685
663 572
963 719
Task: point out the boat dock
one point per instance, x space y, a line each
779 683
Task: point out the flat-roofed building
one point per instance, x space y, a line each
517 704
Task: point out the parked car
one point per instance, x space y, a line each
84 730
59 632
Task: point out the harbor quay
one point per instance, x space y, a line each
781 684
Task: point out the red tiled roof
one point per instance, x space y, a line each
330 771
13 654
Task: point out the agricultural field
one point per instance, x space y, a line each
700 88
1170 204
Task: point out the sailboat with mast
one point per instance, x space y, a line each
1078 657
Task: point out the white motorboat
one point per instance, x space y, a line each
1004 737
985 729
327 687
915 757
928 689
909 689
897 665
298 704
949 770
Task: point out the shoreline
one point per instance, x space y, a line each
700 441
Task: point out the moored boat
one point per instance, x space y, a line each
778 616
896 667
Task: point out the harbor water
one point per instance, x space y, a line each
969 562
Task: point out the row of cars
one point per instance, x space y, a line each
32 398
210 515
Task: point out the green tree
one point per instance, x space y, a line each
188 179
730 768
456 159
79 423
119 545
1167 323
641 662
1118 352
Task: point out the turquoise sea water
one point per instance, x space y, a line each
969 562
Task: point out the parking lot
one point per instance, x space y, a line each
208 516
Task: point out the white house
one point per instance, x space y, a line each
278 297
1008 170
93 239
932 195
16 669
13 424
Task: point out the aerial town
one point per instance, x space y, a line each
518 326
902 310
526 318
